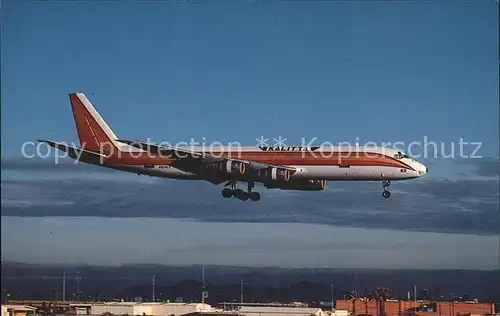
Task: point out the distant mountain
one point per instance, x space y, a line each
35 281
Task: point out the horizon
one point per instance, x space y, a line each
242 267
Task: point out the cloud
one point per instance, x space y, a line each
467 205
49 164
442 209
173 241
484 167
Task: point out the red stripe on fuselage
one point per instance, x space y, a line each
273 158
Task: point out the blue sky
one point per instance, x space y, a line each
338 71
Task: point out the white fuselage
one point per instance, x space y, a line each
328 163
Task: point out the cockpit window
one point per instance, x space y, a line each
400 155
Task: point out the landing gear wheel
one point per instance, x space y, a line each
254 196
385 184
240 194
227 193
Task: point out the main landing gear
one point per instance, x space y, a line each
385 184
239 193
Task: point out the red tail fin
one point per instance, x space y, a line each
94 133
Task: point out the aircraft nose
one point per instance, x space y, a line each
423 170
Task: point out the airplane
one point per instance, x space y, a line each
304 168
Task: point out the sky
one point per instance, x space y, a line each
381 72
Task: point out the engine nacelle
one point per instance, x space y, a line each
279 174
230 166
273 174
301 185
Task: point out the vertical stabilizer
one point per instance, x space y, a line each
93 132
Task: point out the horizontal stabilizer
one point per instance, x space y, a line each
76 153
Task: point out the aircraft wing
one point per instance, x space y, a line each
200 158
164 151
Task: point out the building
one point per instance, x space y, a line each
280 311
159 309
337 312
18 310
80 308
419 308
214 313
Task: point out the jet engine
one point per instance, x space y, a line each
230 166
274 174
301 185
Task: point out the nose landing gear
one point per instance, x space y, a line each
386 193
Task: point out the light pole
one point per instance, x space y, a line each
332 287
241 290
154 281
204 294
415 296
64 287
78 278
